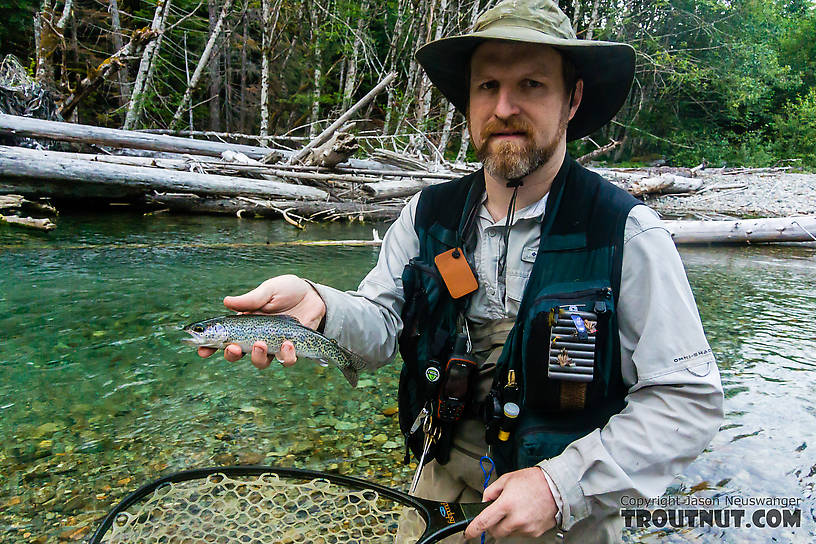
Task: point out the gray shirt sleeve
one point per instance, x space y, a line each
367 321
674 401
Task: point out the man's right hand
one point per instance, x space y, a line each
287 294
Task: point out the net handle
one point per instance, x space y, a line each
441 519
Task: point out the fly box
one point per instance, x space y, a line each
572 344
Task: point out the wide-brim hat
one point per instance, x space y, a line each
607 68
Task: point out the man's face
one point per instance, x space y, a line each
519 108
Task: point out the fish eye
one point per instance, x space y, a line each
198 328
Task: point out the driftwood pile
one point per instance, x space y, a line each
317 183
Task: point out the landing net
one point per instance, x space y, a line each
264 509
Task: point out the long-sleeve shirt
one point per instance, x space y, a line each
674 400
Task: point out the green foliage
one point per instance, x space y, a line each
16 29
795 130
722 81
713 77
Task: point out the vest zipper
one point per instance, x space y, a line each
606 292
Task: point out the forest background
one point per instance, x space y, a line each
721 82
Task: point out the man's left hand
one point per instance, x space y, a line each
523 506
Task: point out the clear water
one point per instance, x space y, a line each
97 394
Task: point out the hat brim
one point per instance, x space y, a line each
607 69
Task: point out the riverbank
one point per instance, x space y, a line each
742 193
320 183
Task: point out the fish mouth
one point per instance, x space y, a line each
197 340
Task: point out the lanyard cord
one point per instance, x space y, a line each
508 223
486 462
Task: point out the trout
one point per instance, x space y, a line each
246 329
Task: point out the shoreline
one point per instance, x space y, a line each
741 194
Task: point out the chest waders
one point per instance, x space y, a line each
576 276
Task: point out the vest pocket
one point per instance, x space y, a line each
541 442
565 346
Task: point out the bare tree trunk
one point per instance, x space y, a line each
446 129
47 43
242 117
187 78
593 20
318 72
202 62
228 109
266 52
576 16
116 26
451 110
266 12
148 59
465 140
413 70
66 14
214 103
154 63
463 145
351 73
393 52
424 106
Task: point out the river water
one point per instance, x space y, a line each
98 396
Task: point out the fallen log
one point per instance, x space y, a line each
11 201
310 210
585 159
396 189
52 173
211 165
18 203
399 160
639 184
28 222
744 231
86 134
337 149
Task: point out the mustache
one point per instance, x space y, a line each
498 126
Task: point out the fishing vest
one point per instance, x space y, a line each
576 270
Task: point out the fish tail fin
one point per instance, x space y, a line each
351 374
352 364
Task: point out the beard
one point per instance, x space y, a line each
516 159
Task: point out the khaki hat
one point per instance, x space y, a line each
607 68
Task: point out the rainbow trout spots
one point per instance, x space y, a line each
246 329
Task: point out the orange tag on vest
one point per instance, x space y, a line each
456 272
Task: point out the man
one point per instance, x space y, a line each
545 239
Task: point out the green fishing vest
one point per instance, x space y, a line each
578 265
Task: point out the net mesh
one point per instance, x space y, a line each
264 509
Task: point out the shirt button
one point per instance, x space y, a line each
490 291
493 234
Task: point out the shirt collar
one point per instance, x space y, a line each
533 211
